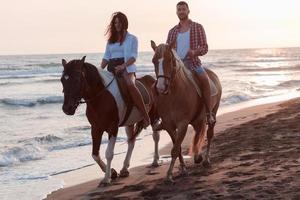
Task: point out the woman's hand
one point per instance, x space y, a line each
103 63
120 68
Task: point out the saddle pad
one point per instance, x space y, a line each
145 94
191 77
113 88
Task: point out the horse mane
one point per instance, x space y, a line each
91 72
184 73
92 75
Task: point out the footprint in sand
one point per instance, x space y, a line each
151 173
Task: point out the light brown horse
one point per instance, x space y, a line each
179 104
82 80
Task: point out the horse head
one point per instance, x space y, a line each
72 81
165 66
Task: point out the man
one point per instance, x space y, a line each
189 40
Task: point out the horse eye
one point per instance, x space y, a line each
66 77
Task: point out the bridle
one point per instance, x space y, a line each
84 87
170 78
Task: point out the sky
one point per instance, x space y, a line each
77 26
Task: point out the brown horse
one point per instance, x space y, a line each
82 80
179 104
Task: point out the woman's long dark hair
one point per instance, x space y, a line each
111 30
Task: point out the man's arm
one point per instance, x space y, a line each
169 37
203 47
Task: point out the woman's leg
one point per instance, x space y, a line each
136 96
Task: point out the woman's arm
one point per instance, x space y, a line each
133 55
106 57
129 62
104 63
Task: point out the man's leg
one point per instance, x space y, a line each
205 88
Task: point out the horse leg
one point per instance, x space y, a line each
210 134
183 170
156 138
200 130
109 154
176 151
131 142
97 138
181 160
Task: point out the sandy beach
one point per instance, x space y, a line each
255 155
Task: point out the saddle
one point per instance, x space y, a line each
128 113
127 98
196 82
192 76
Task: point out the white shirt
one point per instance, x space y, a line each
183 44
114 50
130 50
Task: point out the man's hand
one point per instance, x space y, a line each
191 53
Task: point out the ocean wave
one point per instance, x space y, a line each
236 98
20 154
47 139
41 140
22 82
69 145
222 62
270 69
290 83
30 73
50 99
32 102
44 65
79 143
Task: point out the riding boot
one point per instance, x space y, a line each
205 88
139 102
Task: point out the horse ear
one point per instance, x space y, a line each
64 62
153 45
83 59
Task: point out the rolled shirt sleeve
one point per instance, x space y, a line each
203 47
107 54
134 48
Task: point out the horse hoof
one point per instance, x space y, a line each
124 173
206 164
114 174
169 181
155 164
197 159
104 184
184 173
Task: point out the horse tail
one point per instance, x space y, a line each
199 139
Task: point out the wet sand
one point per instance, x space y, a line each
255 155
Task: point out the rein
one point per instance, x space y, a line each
97 95
173 74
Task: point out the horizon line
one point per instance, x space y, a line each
37 54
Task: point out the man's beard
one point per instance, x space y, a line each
183 17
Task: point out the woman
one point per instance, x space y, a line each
120 56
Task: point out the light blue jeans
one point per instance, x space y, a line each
188 64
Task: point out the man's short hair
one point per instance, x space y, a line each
181 3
